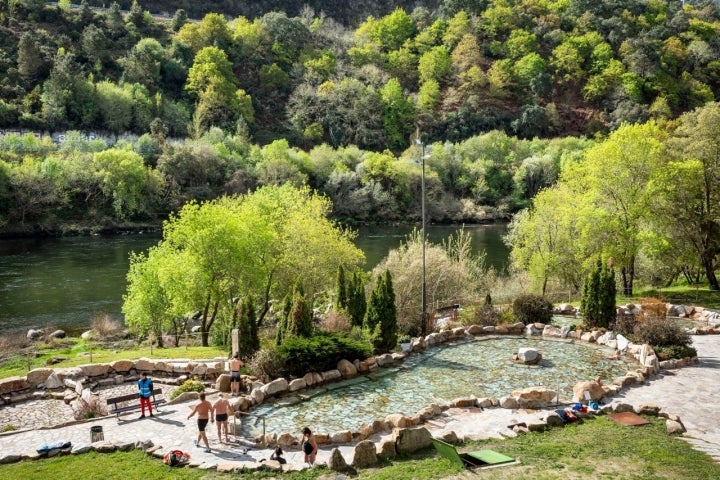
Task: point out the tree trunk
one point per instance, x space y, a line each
266 301
205 335
628 275
203 322
708 264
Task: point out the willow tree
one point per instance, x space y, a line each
614 176
260 244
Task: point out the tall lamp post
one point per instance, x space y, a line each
423 157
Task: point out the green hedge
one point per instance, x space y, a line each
319 353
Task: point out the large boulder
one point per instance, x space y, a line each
365 454
122 366
346 369
297 384
279 385
534 397
336 462
386 449
593 388
94 369
528 356
13 384
409 440
223 383
37 376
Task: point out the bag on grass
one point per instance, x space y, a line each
175 458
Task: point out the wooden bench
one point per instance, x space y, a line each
120 403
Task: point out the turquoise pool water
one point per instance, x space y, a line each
482 368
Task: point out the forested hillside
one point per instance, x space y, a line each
530 68
507 93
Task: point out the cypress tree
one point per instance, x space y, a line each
248 339
598 296
299 321
283 321
342 289
608 291
356 302
589 302
381 315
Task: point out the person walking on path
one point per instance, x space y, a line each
235 365
221 408
309 446
145 389
203 409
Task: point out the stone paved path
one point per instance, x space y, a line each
689 392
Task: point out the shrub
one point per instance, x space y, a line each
507 315
8 428
661 332
675 351
625 324
486 315
320 352
105 326
336 321
266 363
532 308
190 385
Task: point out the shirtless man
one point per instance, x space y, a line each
235 365
203 409
221 408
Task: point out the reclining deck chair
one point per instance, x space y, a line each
479 458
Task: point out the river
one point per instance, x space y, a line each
64 282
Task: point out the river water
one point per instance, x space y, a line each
64 282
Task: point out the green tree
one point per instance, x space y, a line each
614 176
300 319
598 297
695 208
381 315
398 114
248 339
356 302
147 305
342 289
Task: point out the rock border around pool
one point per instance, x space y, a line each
398 425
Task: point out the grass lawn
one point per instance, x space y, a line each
594 449
75 351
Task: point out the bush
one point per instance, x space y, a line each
266 363
625 324
191 385
319 353
675 351
661 332
486 315
532 308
